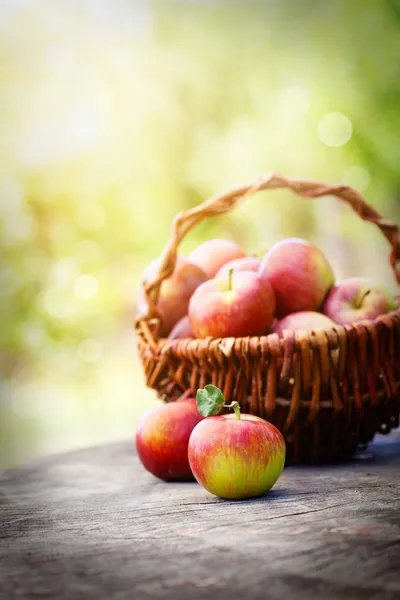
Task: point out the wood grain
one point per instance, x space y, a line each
93 524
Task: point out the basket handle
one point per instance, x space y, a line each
225 202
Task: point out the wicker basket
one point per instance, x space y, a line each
328 391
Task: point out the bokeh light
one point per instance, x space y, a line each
88 251
90 350
335 129
90 217
357 177
63 271
294 102
57 304
86 286
33 334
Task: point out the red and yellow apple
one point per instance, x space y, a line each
175 292
213 254
300 275
247 263
234 456
305 320
236 304
356 299
162 438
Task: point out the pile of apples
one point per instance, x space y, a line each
219 291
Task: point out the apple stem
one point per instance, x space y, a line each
230 273
363 298
236 407
210 400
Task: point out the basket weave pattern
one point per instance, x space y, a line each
326 390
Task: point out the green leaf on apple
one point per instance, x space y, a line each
209 400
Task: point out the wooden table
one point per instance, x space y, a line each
93 524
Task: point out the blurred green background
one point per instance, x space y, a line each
116 114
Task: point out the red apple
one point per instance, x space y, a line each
182 329
213 254
299 274
356 299
247 263
162 438
237 304
306 321
234 456
175 292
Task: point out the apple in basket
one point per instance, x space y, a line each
356 299
162 437
175 292
305 320
235 304
247 263
234 456
300 275
182 329
213 254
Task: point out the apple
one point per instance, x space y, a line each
182 329
300 275
175 292
162 438
236 304
213 254
234 456
356 299
305 320
247 263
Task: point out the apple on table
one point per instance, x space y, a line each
234 456
356 299
162 438
300 275
175 292
232 305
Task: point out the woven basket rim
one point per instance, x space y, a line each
295 334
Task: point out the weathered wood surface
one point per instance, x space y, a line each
94 525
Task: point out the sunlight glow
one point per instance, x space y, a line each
57 304
90 350
86 286
335 129
357 177
90 217
294 102
63 271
